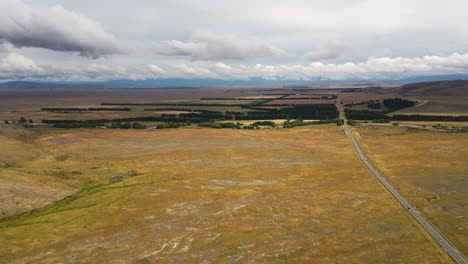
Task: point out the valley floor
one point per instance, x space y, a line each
296 195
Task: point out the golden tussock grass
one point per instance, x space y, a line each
192 195
427 167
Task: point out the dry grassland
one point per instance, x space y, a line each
430 169
205 196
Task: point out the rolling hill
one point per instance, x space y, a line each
437 88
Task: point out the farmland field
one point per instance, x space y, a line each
299 101
427 167
219 102
193 195
448 105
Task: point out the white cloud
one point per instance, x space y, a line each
251 32
18 65
382 67
209 46
156 69
54 28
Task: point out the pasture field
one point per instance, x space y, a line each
137 111
195 108
217 102
318 95
296 195
37 115
434 123
16 99
429 168
440 105
436 105
17 103
431 113
299 101
258 97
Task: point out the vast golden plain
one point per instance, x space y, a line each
296 195
427 167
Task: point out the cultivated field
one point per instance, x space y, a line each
203 196
15 99
427 167
299 101
441 106
217 102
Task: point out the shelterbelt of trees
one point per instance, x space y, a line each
85 109
381 115
320 112
394 104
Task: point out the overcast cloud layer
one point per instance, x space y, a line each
116 39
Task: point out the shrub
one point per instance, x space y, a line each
380 121
212 125
351 122
137 125
264 123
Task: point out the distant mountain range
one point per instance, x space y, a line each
190 83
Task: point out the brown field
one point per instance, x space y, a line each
429 168
201 196
14 99
357 97
313 101
38 116
270 107
437 101
441 105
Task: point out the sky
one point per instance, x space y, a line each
99 40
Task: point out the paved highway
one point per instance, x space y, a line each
444 243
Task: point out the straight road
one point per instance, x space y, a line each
444 243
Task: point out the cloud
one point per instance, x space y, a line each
54 28
208 46
16 66
382 67
328 52
156 69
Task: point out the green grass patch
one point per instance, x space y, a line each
430 114
214 102
66 204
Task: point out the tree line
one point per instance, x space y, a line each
381 115
84 109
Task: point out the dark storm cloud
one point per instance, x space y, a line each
54 28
